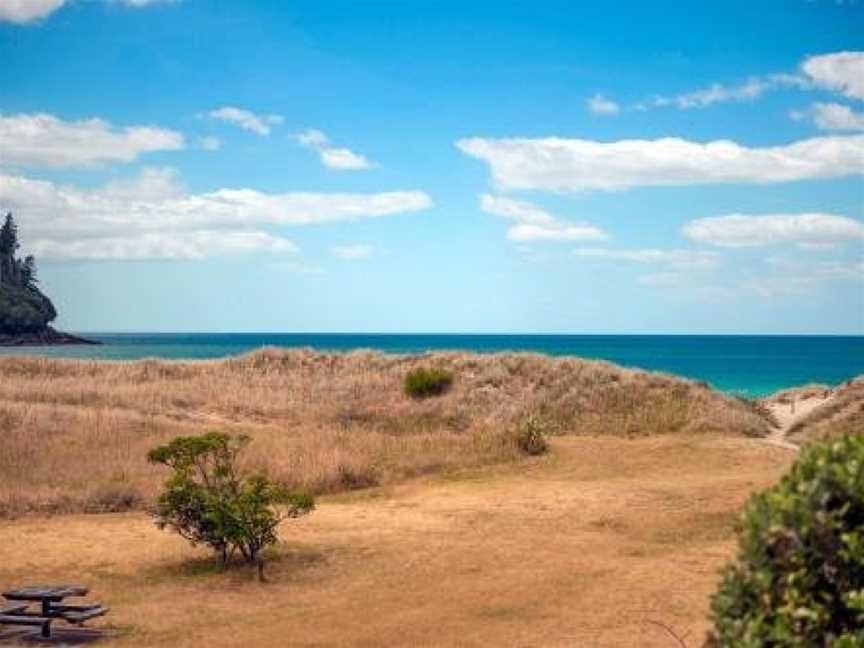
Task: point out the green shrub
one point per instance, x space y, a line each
799 577
208 501
530 435
423 383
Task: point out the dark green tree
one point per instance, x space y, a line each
23 307
8 236
209 501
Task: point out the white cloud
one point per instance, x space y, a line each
193 245
155 203
332 157
353 252
24 11
834 116
600 105
45 140
535 224
841 72
751 89
209 143
679 259
247 120
805 230
569 165
786 277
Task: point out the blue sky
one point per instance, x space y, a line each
664 167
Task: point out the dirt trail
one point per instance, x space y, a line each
789 413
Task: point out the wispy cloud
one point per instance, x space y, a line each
600 105
749 90
44 140
535 224
675 258
63 217
571 165
29 11
209 143
246 119
192 245
357 252
803 230
332 157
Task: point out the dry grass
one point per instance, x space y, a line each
75 433
581 547
842 414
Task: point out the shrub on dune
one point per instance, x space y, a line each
425 383
798 580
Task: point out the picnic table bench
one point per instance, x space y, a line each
52 608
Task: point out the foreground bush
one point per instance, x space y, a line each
799 576
423 383
207 500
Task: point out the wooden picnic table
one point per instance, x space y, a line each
51 599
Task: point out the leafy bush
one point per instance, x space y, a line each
799 576
530 436
207 500
423 383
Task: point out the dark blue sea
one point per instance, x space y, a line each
751 365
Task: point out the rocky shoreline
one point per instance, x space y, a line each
47 337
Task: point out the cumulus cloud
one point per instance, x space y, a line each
156 203
353 252
570 165
832 116
678 259
804 230
45 140
193 245
246 119
600 105
535 224
332 157
841 72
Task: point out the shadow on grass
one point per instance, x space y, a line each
279 563
60 636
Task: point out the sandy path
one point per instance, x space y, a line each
787 414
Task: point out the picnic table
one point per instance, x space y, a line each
50 598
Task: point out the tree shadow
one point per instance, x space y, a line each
60 636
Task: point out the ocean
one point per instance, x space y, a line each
749 365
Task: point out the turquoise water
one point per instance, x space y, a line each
751 365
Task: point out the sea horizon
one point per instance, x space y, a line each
750 365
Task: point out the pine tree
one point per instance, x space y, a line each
8 236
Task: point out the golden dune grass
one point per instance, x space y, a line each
75 433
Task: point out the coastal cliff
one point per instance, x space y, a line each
25 312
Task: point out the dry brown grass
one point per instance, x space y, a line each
75 433
581 547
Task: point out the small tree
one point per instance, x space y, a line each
799 577
208 501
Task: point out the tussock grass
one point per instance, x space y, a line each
75 433
843 414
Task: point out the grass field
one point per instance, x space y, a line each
585 546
